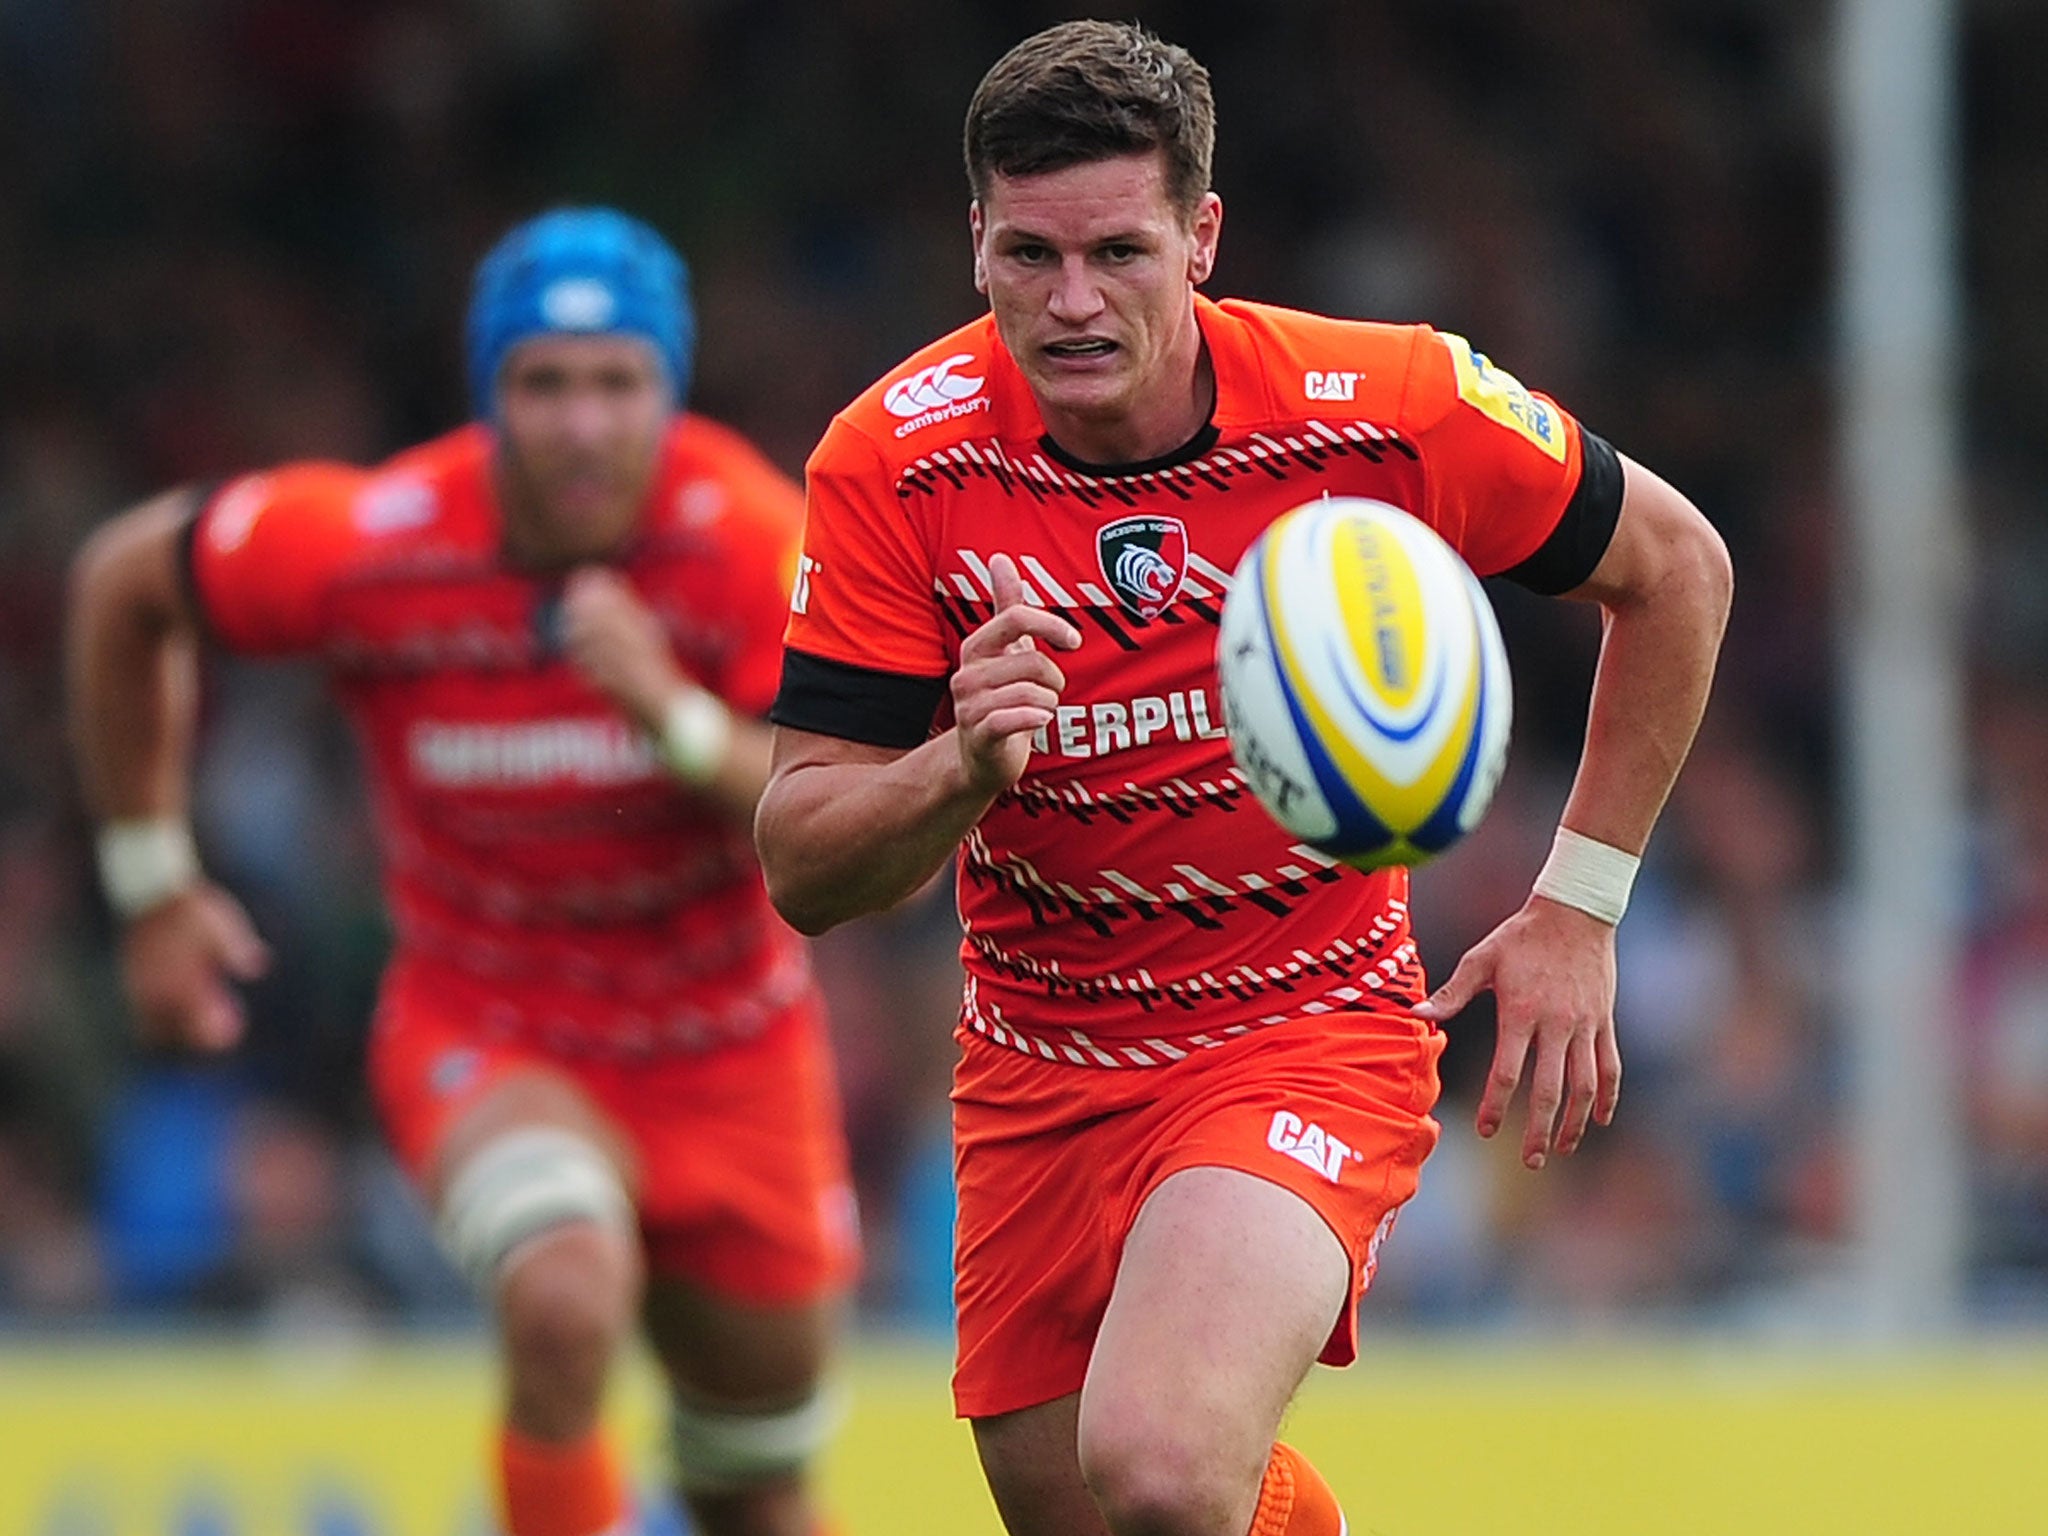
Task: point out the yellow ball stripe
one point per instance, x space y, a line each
1380 600
1402 807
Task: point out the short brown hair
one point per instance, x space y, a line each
1091 90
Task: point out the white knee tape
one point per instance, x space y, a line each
520 1185
716 1452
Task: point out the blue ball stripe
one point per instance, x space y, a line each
1372 716
1441 830
1358 830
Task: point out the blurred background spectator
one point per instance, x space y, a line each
238 231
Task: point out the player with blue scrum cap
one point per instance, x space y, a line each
597 1050
580 271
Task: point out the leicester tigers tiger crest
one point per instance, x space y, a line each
1144 560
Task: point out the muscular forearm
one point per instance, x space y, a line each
1656 665
840 840
131 665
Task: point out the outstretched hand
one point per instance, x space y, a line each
177 961
1005 687
1551 970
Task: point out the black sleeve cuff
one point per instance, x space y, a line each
834 698
188 574
1569 555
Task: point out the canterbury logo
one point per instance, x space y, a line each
1309 1144
931 389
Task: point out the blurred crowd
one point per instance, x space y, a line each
238 231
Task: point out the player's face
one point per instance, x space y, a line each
1091 272
581 420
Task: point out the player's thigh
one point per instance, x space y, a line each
1227 1290
1034 1471
738 1354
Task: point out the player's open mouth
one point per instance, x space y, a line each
1090 346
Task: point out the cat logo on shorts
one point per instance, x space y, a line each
1500 396
1309 1144
1144 559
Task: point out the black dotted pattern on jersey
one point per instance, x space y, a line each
1124 806
1273 458
1194 992
964 615
1104 917
1221 469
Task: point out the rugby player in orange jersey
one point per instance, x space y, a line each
597 1048
1197 1065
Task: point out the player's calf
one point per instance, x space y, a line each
539 1221
566 1304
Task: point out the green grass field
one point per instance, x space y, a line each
156 1440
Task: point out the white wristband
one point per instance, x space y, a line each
144 862
1592 876
696 729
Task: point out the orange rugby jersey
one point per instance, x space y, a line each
532 841
1129 898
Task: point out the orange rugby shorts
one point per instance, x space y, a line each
742 1162
1053 1161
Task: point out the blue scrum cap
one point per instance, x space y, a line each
583 272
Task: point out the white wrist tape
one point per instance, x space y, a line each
1592 876
695 732
145 862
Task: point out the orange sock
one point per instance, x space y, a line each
560 1490
1294 1500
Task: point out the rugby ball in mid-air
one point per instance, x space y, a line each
1365 688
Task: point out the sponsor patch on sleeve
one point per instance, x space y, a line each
1500 396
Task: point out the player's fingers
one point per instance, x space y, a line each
243 954
1004 581
1546 1096
588 582
173 1013
217 1022
1020 622
1472 976
1607 1053
1581 1072
988 672
1510 1050
1025 693
1016 720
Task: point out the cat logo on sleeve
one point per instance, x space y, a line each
1501 396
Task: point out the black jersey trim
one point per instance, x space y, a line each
1568 556
1186 453
201 497
836 698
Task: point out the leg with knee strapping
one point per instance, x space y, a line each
722 1451
541 1223
520 1185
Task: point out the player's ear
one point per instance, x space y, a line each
1206 229
974 226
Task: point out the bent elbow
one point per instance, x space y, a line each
1715 573
801 909
798 896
